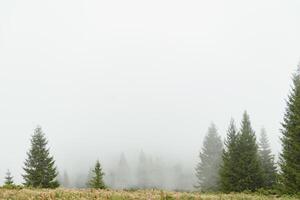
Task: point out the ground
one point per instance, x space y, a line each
63 194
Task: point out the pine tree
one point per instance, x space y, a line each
66 180
249 172
179 178
111 180
290 156
267 161
157 173
122 173
96 180
40 170
8 179
143 172
207 170
230 157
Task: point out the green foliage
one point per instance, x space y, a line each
40 170
97 177
249 172
267 162
166 196
266 192
241 169
230 157
290 156
207 170
8 179
13 187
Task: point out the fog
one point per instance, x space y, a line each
106 78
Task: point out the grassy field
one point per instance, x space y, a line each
26 194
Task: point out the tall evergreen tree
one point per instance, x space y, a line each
207 170
249 172
8 179
179 178
96 180
290 156
40 170
230 157
66 180
267 161
157 173
143 179
122 173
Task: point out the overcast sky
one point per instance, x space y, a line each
105 77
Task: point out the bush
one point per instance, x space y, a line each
263 191
12 187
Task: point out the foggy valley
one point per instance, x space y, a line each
164 95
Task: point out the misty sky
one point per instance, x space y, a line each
105 77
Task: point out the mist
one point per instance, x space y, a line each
105 79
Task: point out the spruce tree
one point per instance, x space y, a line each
40 170
8 179
143 178
179 178
96 180
122 173
66 180
249 172
290 156
267 161
207 170
230 158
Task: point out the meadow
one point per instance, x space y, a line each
70 194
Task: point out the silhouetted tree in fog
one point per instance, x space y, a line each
179 177
142 172
111 179
122 173
8 179
40 170
267 161
207 170
81 180
66 180
157 173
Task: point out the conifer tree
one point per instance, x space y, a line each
8 179
66 180
40 170
290 156
249 172
143 179
179 178
122 173
267 161
207 170
96 180
230 157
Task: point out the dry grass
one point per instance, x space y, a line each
63 194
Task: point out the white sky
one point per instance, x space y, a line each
102 77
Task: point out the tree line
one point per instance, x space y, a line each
40 172
242 163
143 172
238 164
